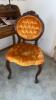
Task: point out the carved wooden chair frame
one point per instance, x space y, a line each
36 43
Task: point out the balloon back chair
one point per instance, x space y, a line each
28 27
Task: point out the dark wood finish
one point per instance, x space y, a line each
38 73
36 42
19 39
14 41
9 11
8 68
6 31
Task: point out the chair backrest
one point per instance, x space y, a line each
29 26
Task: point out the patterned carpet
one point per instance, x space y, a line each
22 86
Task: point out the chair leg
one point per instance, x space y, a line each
8 68
37 74
14 39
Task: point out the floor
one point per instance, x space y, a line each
22 86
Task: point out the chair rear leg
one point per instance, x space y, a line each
14 39
8 68
37 74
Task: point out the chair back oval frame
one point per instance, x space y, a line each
30 13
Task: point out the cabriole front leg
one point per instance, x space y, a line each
8 68
37 74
